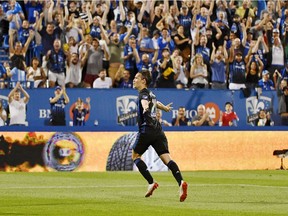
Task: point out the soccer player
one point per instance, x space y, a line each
151 133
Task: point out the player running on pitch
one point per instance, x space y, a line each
151 133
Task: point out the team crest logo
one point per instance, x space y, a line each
126 107
253 105
64 151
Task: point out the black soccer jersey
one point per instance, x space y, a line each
147 121
58 112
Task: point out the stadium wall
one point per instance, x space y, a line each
105 142
101 151
115 108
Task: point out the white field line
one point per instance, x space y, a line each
5 187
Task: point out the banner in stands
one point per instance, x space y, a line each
111 151
117 107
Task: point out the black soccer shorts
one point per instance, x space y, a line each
157 140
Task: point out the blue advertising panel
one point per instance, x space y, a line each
118 107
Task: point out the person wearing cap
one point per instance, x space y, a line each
229 117
57 106
283 107
265 83
17 105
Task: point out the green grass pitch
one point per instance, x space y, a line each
245 193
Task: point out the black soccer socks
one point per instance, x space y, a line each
175 171
143 170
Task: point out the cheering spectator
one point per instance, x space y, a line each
229 117
17 56
80 112
122 78
17 105
102 81
199 73
181 119
49 34
94 63
185 20
202 118
181 79
253 71
146 43
56 59
58 103
36 74
183 43
219 59
166 78
237 70
131 56
265 83
264 119
163 41
74 69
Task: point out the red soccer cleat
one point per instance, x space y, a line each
183 191
151 188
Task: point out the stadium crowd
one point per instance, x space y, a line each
184 44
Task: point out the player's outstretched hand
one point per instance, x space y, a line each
168 107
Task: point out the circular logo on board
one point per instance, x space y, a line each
64 151
213 110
